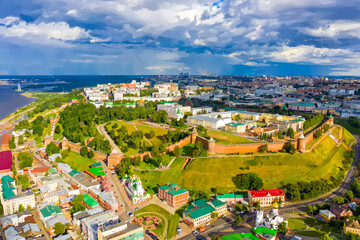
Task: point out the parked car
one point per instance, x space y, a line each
202 229
207 224
195 233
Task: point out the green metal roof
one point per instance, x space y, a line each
52 171
173 185
97 171
234 124
164 187
241 236
90 201
303 104
8 193
97 164
174 192
200 203
218 203
264 230
73 173
50 210
200 212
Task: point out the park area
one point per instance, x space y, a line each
159 134
78 162
275 169
159 221
227 138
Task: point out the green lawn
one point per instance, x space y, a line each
310 233
343 122
296 224
172 220
160 133
348 138
275 170
335 132
78 162
227 138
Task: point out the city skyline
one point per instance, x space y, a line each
200 37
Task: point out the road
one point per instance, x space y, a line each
102 131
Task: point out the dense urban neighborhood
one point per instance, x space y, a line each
185 157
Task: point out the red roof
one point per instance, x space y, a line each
267 193
5 160
40 170
74 187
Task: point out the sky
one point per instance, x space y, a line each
224 37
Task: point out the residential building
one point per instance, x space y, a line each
11 200
231 197
121 231
351 226
5 162
340 211
302 106
6 137
86 213
326 215
90 202
134 189
266 197
50 215
173 194
85 181
201 110
106 199
89 225
200 211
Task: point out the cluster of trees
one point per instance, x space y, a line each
354 121
51 149
147 92
77 204
24 181
12 144
159 116
61 228
176 123
318 133
266 137
308 190
100 144
84 151
38 125
290 132
289 148
25 160
125 140
176 136
248 181
54 100
313 120
24 124
280 110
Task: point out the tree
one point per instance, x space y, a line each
91 154
290 148
21 140
325 237
177 151
84 151
152 133
21 208
349 195
214 215
338 200
51 149
248 181
256 204
290 132
25 160
263 148
326 127
238 220
279 135
282 228
77 204
215 237
12 143
318 133
59 228
57 129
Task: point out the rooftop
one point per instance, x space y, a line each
264 193
97 171
5 160
90 201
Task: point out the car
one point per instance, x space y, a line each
207 224
136 209
195 233
147 231
154 237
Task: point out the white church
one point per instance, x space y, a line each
271 220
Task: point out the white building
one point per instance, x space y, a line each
89 226
201 110
173 108
271 220
11 200
214 120
134 189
